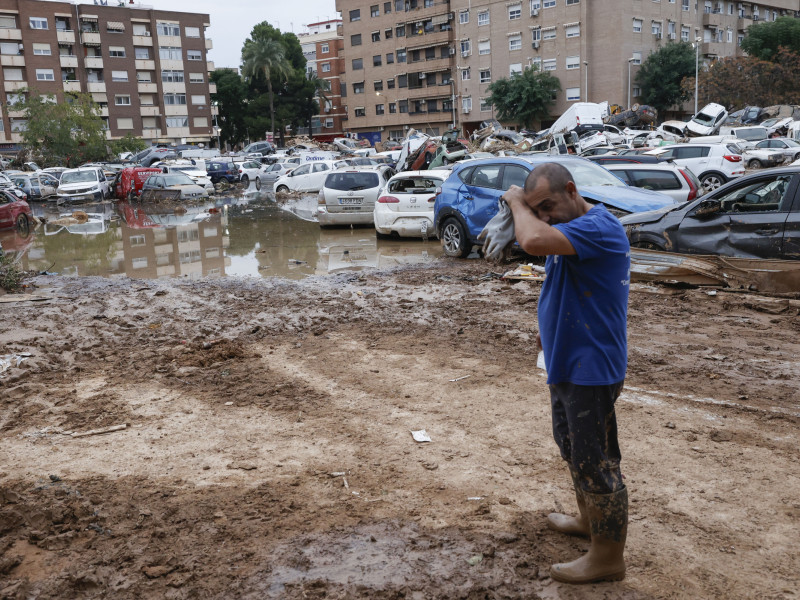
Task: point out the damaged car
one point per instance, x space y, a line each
755 216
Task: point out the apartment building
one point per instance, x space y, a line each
594 47
146 68
322 47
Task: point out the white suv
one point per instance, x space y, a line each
714 164
84 183
349 195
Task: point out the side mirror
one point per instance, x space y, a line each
707 208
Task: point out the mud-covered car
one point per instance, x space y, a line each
14 212
755 216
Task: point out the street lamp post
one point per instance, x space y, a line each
453 101
586 79
630 61
696 69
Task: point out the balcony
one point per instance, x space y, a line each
214 109
12 60
147 88
93 62
65 37
168 87
171 65
742 23
169 40
104 111
100 97
145 65
210 66
151 134
713 20
714 48
418 42
176 110
142 40
15 114
178 132
212 88
209 44
68 61
96 86
13 86
90 38
11 34
150 111
72 86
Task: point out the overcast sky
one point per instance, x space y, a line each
233 20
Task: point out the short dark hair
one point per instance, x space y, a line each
556 175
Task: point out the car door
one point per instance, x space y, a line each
751 221
319 171
6 218
47 185
298 178
694 157
480 196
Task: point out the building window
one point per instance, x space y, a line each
466 104
401 56
42 49
196 78
483 18
377 60
514 69
390 84
194 55
174 99
549 3
119 76
463 17
172 76
685 5
402 81
8 22
390 58
147 100
573 30
573 2
573 94
122 100
376 36
144 76
358 64
515 42
486 75
355 40
358 88
355 15
18 125
198 99
326 67
684 34
573 62
730 35
535 6
400 30
387 33
549 64
38 23
637 26
392 107
329 123
484 47
637 91
125 123
45 75
466 47
536 34
192 32
141 53
140 29
168 29
377 85
360 111
169 53
387 7
549 33
484 105
324 48
655 28
374 11
379 110
465 74
428 3
12 74
116 51
402 106
177 121
637 58
514 12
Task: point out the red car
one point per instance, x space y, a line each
14 212
129 181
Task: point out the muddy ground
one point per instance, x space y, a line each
268 451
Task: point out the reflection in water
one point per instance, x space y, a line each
247 235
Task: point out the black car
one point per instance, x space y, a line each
755 216
613 159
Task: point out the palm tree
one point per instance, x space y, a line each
321 88
265 56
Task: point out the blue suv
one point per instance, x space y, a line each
469 197
222 168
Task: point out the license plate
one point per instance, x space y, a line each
350 200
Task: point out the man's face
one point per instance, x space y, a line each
560 206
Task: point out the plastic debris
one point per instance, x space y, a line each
421 436
540 362
460 378
12 360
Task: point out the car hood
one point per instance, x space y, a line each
650 216
69 187
629 199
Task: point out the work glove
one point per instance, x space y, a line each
498 233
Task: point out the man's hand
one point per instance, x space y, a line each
538 342
514 195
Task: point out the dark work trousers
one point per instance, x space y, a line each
585 429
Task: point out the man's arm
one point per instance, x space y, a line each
534 236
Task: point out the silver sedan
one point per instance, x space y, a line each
268 174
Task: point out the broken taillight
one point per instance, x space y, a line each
692 186
388 200
733 157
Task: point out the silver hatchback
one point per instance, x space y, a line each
349 194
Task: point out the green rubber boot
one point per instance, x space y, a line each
608 522
566 523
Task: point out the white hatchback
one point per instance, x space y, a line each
308 177
714 164
349 194
405 205
679 183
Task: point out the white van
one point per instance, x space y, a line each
84 183
580 118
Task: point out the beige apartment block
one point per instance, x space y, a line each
594 47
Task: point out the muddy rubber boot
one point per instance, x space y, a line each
608 522
566 523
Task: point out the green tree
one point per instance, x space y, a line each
231 99
265 57
128 143
764 39
661 74
63 133
319 89
524 97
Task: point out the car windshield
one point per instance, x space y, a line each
177 179
703 119
791 143
190 169
79 177
587 174
415 185
351 181
20 181
768 122
745 146
513 136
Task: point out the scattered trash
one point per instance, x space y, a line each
294 261
229 404
460 378
475 498
244 466
211 343
338 474
540 362
474 560
712 292
670 425
421 436
22 298
527 272
9 360
101 430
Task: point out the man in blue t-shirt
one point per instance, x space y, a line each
583 310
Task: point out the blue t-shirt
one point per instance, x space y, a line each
583 307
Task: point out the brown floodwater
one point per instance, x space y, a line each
244 235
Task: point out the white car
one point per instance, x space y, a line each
405 205
672 131
248 171
789 147
308 177
713 163
614 135
755 157
707 121
84 183
200 178
677 182
349 194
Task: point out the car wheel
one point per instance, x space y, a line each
647 246
258 183
454 239
711 181
22 224
131 196
245 180
754 164
282 189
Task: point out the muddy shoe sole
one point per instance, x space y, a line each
559 575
